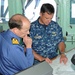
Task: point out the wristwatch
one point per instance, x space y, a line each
62 53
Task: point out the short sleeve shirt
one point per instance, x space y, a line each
46 38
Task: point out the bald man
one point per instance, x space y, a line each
13 56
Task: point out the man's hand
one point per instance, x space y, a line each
63 58
48 60
28 41
40 58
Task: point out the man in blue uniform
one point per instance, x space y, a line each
47 36
13 56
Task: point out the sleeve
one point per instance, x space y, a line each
60 34
20 60
31 31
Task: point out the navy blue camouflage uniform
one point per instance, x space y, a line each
46 38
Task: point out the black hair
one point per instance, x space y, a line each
47 8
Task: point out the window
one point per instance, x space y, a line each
72 12
4 13
32 8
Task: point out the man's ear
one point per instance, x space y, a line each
40 14
15 30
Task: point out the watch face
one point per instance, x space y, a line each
73 59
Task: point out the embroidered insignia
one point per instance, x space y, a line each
53 33
37 36
15 41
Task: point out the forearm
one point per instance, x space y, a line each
63 57
62 47
38 57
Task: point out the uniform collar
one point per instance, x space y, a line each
13 35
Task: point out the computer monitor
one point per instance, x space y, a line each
42 68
